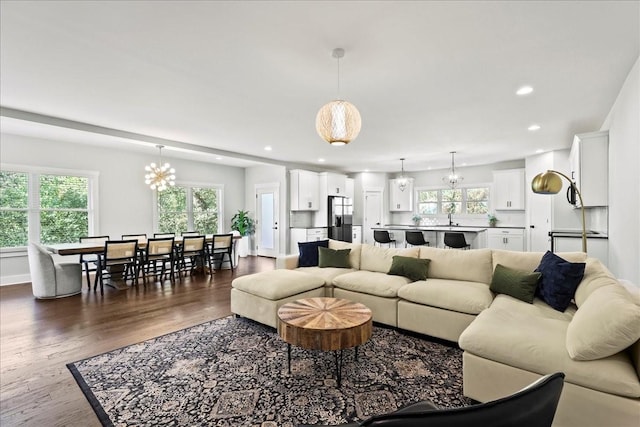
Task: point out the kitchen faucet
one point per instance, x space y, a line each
450 220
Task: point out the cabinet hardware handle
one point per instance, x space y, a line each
309 204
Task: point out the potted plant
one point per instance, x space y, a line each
245 226
416 219
493 220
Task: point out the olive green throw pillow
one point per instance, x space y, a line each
333 258
411 268
516 283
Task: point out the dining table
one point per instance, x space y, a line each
87 248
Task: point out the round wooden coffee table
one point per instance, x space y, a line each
327 324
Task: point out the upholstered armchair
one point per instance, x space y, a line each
50 279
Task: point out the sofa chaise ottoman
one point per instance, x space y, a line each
258 296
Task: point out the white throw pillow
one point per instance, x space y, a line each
606 323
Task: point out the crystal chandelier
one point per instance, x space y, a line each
338 122
453 178
402 181
159 176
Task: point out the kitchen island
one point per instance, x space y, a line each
434 234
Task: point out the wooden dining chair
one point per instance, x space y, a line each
161 235
192 252
158 254
190 233
119 260
88 261
221 246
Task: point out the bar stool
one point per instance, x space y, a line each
456 241
414 238
382 237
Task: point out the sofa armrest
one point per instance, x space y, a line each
288 262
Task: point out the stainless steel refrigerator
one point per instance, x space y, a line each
340 218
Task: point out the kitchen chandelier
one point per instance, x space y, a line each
453 178
402 181
338 122
159 176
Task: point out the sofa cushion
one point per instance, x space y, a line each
455 295
607 322
473 266
411 268
277 284
338 258
516 283
532 337
354 255
560 279
372 283
326 273
528 261
596 275
376 258
309 252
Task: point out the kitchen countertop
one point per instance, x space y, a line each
436 228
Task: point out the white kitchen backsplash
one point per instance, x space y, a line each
505 219
302 219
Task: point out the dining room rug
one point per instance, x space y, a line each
233 372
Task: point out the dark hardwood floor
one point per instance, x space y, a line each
38 337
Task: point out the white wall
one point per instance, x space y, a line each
125 202
263 175
623 123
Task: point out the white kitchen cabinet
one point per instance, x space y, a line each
304 190
400 201
334 183
508 190
350 188
510 239
589 167
299 235
356 234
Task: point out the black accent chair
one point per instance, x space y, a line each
221 246
414 238
382 238
456 241
533 406
119 260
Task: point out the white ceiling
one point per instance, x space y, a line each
428 77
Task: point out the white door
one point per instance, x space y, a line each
267 220
372 214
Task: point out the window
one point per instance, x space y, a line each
44 206
428 202
185 208
455 201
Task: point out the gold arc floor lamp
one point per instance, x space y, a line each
549 182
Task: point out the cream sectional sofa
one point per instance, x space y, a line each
507 343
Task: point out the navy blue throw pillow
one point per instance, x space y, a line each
309 252
560 279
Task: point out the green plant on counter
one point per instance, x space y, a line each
242 223
493 220
416 219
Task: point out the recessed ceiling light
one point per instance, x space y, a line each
321 160
218 158
464 164
539 150
534 127
524 90
268 148
366 170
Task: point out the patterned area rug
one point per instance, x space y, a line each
233 372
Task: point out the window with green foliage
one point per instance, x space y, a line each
186 208
43 207
455 201
451 201
428 202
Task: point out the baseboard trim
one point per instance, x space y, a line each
14 280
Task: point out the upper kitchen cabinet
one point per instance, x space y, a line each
350 188
508 190
305 190
589 160
400 200
335 184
